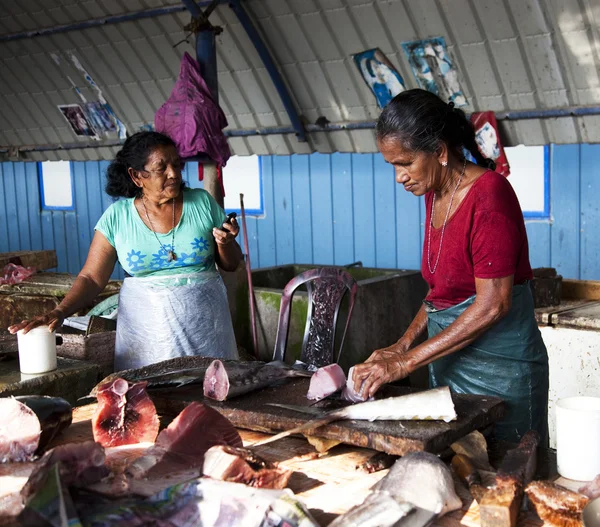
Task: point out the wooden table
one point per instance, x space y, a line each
328 484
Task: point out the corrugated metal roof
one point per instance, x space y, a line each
510 55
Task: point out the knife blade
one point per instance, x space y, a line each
296 408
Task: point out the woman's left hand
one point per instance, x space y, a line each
370 376
227 233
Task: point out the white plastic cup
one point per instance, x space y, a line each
578 438
37 350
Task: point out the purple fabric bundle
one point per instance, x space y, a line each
192 118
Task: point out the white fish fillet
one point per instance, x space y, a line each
430 405
325 381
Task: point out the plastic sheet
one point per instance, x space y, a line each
508 361
162 318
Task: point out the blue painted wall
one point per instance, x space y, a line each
322 209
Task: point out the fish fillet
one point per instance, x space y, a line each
433 404
349 393
29 423
240 465
325 381
225 380
124 415
555 504
417 489
184 442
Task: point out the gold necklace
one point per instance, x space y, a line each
171 256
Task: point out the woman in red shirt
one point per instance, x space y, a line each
479 314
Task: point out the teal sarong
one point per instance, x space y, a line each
509 361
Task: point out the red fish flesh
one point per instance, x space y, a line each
240 465
124 415
325 381
184 442
29 423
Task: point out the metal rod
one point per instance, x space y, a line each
250 286
271 68
332 127
95 22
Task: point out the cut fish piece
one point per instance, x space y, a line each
325 381
184 442
29 423
224 380
80 464
555 504
240 465
591 489
351 394
433 404
124 415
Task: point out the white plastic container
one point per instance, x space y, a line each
37 350
578 438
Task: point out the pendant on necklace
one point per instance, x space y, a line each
171 256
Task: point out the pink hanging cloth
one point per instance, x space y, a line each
192 118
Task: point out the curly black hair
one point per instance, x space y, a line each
422 121
134 154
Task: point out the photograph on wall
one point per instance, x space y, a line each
380 75
434 70
80 124
487 137
100 116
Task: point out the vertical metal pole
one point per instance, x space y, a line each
250 286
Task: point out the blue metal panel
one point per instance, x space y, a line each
22 212
60 240
84 232
283 211
364 209
74 263
343 213
303 233
590 212
538 235
266 229
409 238
4 223
385 213
10 205
322 209
565 191
47 230
33 205
94 180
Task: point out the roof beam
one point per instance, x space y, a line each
271 68
95 22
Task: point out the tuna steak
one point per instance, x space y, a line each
225 380
29 423
184 442
326 381
124 415
240 465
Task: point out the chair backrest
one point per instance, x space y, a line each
326 288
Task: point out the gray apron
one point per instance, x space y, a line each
509 361
161 318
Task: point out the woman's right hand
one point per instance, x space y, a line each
53 320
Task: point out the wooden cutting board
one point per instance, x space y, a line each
252 412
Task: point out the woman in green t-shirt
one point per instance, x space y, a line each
168 239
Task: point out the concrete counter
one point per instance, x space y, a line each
71 380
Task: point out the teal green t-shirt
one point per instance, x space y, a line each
139 252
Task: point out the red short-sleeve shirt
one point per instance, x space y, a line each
484 238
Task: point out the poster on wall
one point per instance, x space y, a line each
487 137
100 115
380 75
434 70
80 124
